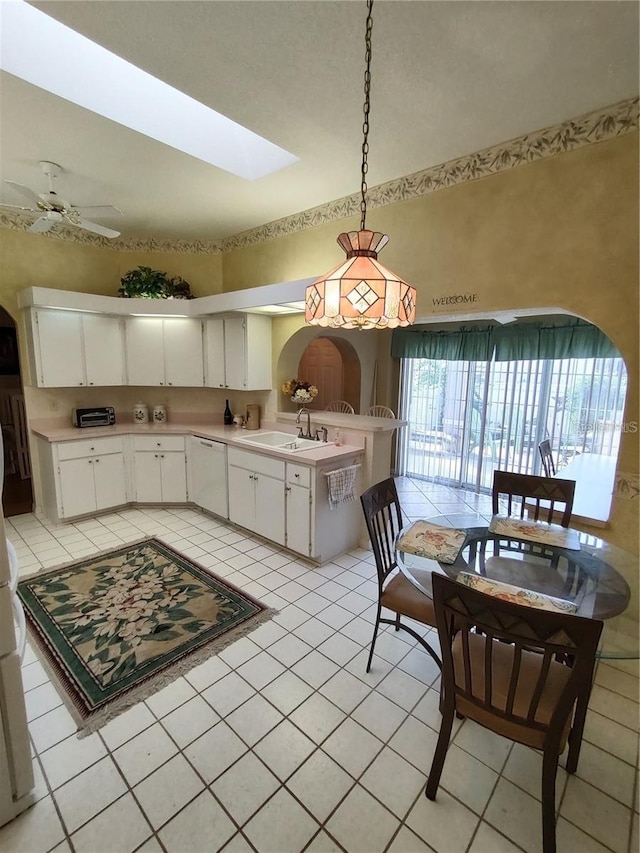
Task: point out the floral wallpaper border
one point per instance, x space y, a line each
597 126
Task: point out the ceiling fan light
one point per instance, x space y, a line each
360 293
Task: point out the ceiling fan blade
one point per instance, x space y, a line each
16 207
97 229
26 192
42 224
97 210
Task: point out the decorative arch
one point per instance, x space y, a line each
356 350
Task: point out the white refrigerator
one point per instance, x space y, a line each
16 770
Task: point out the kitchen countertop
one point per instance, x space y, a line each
233 436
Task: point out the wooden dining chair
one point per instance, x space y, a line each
527 495
380 412
340 406
383 517
548 465
546 499
500 668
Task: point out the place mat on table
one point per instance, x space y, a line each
535 531
425 539
516 594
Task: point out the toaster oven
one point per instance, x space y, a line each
98 416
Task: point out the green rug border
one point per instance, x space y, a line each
89 714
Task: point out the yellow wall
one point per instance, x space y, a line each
37 260
558 234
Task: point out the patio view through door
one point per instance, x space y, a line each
467 418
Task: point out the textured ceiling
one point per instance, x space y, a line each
448 78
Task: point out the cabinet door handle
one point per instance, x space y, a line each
169 383
287 488
80 383
158 444
155 455
297 476
162 456
90 461
97 460
91 383
162 383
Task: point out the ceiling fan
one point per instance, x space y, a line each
54 209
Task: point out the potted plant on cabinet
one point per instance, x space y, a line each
146 283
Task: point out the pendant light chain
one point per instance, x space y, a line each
365 123
361 293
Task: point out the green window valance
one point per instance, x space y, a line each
537 341
514 342
463 344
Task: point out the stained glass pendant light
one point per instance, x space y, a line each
360 293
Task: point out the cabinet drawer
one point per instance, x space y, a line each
257 463
299 474
90 447
158 442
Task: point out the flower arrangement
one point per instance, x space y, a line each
299 391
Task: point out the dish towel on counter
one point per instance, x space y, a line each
342 485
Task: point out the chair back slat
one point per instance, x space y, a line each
488 670
513 680
540 683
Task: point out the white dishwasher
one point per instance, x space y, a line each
208 475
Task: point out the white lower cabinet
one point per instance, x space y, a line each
298 509
286 502
160 469
84 476
256 493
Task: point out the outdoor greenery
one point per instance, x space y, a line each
145 283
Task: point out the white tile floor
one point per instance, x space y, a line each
283 743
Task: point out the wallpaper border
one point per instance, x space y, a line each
593 127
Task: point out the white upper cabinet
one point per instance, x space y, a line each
183 352
103 349
69 348
238 352
164 351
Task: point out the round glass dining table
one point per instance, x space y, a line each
593 577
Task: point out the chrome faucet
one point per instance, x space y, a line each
306 434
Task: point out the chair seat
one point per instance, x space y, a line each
538 576
501 667
401 596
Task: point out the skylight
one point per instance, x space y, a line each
53 57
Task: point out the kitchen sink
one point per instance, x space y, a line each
281 441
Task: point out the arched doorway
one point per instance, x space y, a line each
333 366
17 491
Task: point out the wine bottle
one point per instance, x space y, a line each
228 415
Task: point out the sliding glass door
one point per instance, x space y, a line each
467 418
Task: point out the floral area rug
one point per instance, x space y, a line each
114 628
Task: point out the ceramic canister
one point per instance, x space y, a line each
159 415
140 414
